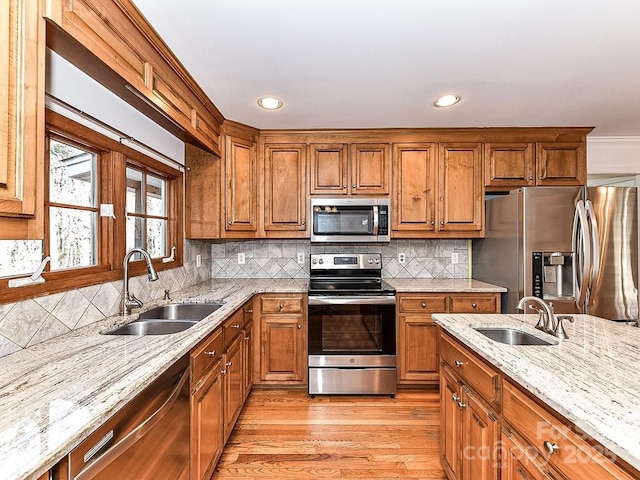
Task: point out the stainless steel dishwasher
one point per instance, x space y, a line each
147 439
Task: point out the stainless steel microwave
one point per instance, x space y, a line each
350 220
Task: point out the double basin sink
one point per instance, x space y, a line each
167 319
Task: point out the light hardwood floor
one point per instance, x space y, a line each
284 434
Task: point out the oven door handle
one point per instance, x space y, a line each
353 300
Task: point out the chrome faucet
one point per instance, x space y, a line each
129 300
547 322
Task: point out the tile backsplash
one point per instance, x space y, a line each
32 321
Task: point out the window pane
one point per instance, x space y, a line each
19 257
135 230
71 175
71 236
156 237
156 196
134 191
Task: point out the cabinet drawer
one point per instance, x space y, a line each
205 355
473 304
574 457
474 371
281 305
232 327
423 304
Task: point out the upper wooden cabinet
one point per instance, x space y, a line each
22 121
202 193
350 169
113 42
510 165
285 189
240 187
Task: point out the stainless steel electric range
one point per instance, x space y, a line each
352 326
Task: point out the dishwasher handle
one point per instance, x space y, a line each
134 435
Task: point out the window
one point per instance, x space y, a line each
85 170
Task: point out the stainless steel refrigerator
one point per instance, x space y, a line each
576 247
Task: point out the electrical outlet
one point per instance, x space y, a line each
241 259
401 258
301 259
198 261
454 258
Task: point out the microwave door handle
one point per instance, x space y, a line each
375 220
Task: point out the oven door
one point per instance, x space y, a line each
352 331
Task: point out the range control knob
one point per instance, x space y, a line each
321 261
377 260
370 261
314 261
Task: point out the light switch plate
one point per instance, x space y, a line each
401 258
241 259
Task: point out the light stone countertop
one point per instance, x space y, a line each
437 285
54 394
592 378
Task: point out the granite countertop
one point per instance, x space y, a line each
437 285
592 378
54 394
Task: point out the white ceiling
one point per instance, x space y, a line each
375 63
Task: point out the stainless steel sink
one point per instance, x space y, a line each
167 319
512 336
153 327
181 311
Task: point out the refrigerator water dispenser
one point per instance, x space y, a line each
553 275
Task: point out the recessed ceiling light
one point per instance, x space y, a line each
270 103
447 100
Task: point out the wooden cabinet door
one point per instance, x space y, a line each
282 349
509 165
233 384
22 120
207 424
561 164
329 169
241 184
202 194
415 181
481 432
285 189
461 202
450 425
247 359
370 169
517 462
418 360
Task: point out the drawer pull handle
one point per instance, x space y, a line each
247 337
235 326
228 364
474 305
96 448
223 372
458 363
461 405
249 310
551 448
455 397
281 306
212 353
424 305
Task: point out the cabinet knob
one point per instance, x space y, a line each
424 305
344 186
541 177
235 326
229 222
441 223
551 448
474 305
249 310
530 177
228 364
248 337
461 405
455 397
281 306
212 353
458 363
303 222
299 327
433 222
223 372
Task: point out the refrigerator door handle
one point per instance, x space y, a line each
582 254
595 243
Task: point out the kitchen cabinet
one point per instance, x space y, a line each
241 188
233 370
510 165
207 401
202 194
470 424
247 348
418 333
285 190
460 189
350 169
22 125
518 462
415 189
560 447
112 42
282 357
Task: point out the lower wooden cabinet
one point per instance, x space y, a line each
418 334
247 348
283 340
518 461
232 372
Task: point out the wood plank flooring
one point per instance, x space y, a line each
284 434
